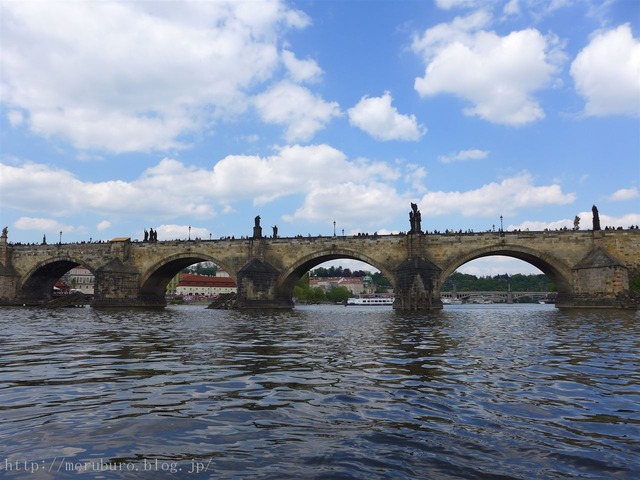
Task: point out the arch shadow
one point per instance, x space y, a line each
37 284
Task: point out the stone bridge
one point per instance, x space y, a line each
589 268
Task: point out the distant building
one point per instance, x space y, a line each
356 285
80 279
203 285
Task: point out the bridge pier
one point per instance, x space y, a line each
118 285
257 287
8 288
599 281
416 285
9 279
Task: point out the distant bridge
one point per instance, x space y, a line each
507 296
588 268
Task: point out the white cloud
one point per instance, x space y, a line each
498 75
449 4
624 194
302 112
539 226
32 186
512 8
45 225
159 191
16 118
301 70
415 176
377 117
371 203
104 225
135 76
464 155
181 232
607 72
586 222
494 199
293 170
625 221
363 196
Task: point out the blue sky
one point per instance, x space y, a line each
120 116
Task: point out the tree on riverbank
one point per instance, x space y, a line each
463 282
303 292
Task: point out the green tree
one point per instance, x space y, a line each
519 283
301 290
338 294
380 280
316 294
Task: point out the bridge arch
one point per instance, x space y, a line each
557 270
154 281
289 278
36 285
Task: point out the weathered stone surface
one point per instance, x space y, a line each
597 279
415 285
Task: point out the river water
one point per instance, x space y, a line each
320 392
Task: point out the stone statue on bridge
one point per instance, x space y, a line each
275 231
5 232
576 223
257 229
415 219
596 218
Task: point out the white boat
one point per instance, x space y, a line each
370 301
451 301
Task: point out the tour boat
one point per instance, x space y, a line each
370 301
451 301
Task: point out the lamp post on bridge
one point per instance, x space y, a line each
189 232
334 228
501 223
60 237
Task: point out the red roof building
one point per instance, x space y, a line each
203 285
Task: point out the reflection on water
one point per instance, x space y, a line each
505 391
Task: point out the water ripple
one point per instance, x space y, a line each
320 392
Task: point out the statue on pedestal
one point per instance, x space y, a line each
415 219
257 229
596 218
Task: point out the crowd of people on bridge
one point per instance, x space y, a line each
414 218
